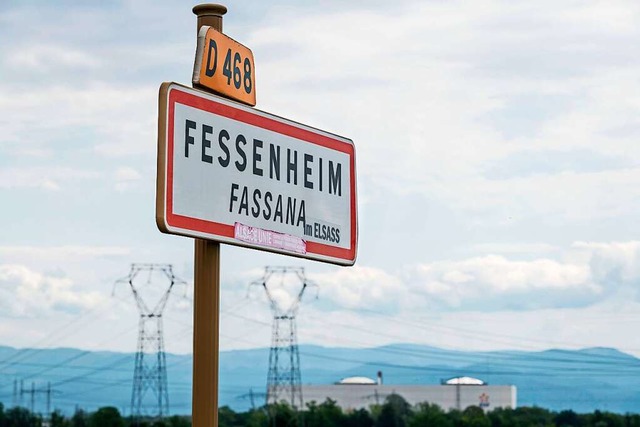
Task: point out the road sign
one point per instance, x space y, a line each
234 174
225 66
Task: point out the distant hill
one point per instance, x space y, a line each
582 380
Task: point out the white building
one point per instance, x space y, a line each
455 393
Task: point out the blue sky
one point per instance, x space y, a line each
496 155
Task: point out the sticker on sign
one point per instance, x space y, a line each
237 175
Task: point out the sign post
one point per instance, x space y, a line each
206 295
229 173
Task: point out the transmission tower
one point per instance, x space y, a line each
18 396
284 379
252 397
150 371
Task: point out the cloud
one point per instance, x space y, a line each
515 248
63 253
615 264
27 293
504 83
565 198
584 274
435 123
45 178
512 122
112 118
494 282
544 162
45 57
360 287
89 73
126 177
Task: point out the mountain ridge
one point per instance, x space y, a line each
583 379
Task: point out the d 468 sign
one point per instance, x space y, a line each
225 66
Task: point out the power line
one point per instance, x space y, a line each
630 366
51 336
460 355
626 366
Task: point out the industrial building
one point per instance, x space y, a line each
456 393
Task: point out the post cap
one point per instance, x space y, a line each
209 9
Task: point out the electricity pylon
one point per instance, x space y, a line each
150 371
284 379
18 396
252 397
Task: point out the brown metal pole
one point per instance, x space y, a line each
206 310
206 327
210 14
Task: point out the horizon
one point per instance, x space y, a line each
398 344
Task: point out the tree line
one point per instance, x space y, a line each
394 412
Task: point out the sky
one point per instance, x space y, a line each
497 171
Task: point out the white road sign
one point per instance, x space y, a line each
234 174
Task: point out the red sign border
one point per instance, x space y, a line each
169 222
